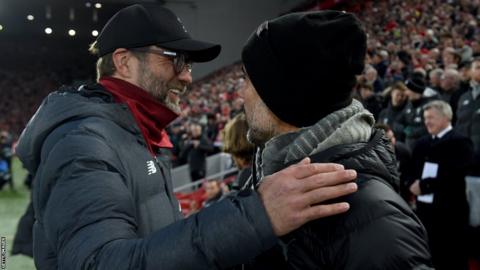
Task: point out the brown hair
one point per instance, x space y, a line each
105 65
235 138
398 85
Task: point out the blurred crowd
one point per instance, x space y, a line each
417 51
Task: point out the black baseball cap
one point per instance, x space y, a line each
142 25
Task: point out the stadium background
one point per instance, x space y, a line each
34 63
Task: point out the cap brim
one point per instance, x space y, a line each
198 51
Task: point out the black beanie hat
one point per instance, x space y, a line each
416 83
303 65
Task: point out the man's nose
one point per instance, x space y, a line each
185 76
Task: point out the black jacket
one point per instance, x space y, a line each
446 219
389 116
453 153
468 125
102 201
378 232
196 157
411 121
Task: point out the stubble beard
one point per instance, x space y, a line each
260 133
158 89
257 137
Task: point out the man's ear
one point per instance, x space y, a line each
122 60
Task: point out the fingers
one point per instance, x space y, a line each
303 170
293 195
320 211
304 161
323 194
328 179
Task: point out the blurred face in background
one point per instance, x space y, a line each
465 73
475 46
365 92
448 58
435 121
196 130
433 54
398 97
212 188
391 136
448 82
435 78
371 74
475 71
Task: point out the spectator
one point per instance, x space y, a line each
410 121
434 85
371 101
468 124
380 63
195 150
5 159
450 90
450 58
403 156
235 142
476 48
396 104
371 78
468 116
445 211
213 192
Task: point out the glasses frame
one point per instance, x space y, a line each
180 61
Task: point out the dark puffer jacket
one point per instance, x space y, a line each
378 232
102 201
468 124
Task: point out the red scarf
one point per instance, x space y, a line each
151 116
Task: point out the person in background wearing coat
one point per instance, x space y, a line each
396 104
298 103
103 195
410 121
403 156
195 150
441 201
235 143
468 124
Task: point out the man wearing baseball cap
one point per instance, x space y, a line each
103 194
300 71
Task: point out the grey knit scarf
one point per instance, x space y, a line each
351 124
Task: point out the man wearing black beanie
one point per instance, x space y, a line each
410 122
300 71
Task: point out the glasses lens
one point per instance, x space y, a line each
181 62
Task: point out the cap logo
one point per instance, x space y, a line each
262 27
183 26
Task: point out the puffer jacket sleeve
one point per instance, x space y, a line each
88 216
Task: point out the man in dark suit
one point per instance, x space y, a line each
440 163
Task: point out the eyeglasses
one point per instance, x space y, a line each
180 60
244 74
